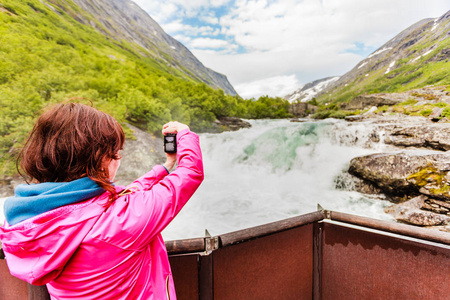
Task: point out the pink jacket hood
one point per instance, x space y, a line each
38 249
92 250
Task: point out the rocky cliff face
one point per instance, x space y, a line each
125 20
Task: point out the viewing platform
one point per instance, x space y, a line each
320 255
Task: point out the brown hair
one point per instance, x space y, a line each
70 141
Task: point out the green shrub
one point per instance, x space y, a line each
426 112
48 57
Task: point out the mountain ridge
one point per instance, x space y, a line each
414 58
124 19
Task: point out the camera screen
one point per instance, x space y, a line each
170 147
170 143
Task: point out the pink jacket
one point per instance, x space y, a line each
91 251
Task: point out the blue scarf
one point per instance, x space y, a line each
33 199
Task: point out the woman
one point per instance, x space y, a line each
73 230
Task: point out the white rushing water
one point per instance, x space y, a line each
275 170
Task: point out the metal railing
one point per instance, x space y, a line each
320 255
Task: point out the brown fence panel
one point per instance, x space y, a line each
11 288
185 275
277 266
358 264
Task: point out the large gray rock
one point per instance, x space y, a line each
407 131
415 212
367 101
431 136
302 109
406 174
231 124
139 156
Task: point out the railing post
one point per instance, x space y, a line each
205 274
317 260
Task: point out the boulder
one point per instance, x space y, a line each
413 212
377 100
232 123
430 136
406 174
436 114
302 109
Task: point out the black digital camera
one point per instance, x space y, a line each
170 143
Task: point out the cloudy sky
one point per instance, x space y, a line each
272 47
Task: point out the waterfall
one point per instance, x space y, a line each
275 170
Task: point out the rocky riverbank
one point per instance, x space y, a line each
416 176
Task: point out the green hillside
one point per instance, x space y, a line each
406 77
416 58
47 56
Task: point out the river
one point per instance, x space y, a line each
277 169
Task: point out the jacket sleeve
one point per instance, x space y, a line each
160 198
151 178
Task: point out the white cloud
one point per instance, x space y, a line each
209 43
310 39
209 18
177 26
218 3
273 86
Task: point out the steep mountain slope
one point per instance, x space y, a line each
54 50
125 20
310 90
417 57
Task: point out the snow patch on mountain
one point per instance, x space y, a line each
379 51
308 91
390 67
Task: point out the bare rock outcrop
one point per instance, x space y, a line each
367 101
430 136
139 156
302 109
430 95
420 182
232 123
419 211
403 174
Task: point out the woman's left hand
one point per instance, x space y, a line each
173 127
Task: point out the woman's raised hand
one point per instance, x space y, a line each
173 127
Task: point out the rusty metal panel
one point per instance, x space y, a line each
358 264
36 292
185 275
11 288
277 266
